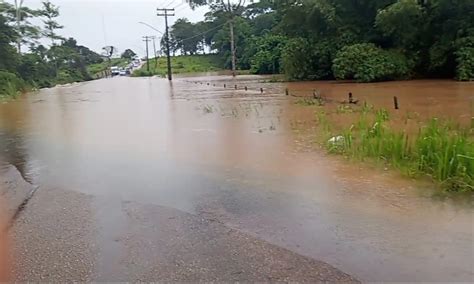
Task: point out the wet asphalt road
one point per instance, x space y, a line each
59 237
140 180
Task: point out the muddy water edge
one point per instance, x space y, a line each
208 147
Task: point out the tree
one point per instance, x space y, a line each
231 11
109 51
8 55
50 12
20 16
465 59
40 66
183 34
89 56
172 43
267 56
128 54
401 21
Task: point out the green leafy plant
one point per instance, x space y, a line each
367 63
10 85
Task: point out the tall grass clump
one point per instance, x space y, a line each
441 150
10 85
446 154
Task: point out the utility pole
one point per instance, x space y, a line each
165 13
154 52
146 39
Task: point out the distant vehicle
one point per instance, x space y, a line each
136 63
114 70
123 73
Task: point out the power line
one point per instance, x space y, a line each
151 27
200 34
169 4
178 5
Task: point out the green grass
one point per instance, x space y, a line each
94 69
181 64
441 150
9 91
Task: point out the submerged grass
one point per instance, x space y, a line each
440 149
310 101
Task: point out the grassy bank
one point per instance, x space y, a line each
181 64
439 149
11 85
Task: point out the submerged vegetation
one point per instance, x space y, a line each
440 149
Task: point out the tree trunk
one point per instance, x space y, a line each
232 45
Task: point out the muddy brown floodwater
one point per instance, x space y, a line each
153 171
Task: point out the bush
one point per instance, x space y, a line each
367 63
142 73
295 59
44 83
66 77
305 60
465 59
10 84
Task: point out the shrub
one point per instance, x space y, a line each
142 73
367 63
303 60
65 77
296 63
10 84
465 59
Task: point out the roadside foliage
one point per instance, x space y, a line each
322 39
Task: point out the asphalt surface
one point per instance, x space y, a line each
13 190
60 237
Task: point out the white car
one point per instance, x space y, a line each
114 70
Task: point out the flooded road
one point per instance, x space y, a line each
169 170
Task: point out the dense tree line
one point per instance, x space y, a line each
26 62
365 40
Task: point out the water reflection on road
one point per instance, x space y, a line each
231 155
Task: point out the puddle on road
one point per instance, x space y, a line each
233 155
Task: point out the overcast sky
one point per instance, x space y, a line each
96 23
